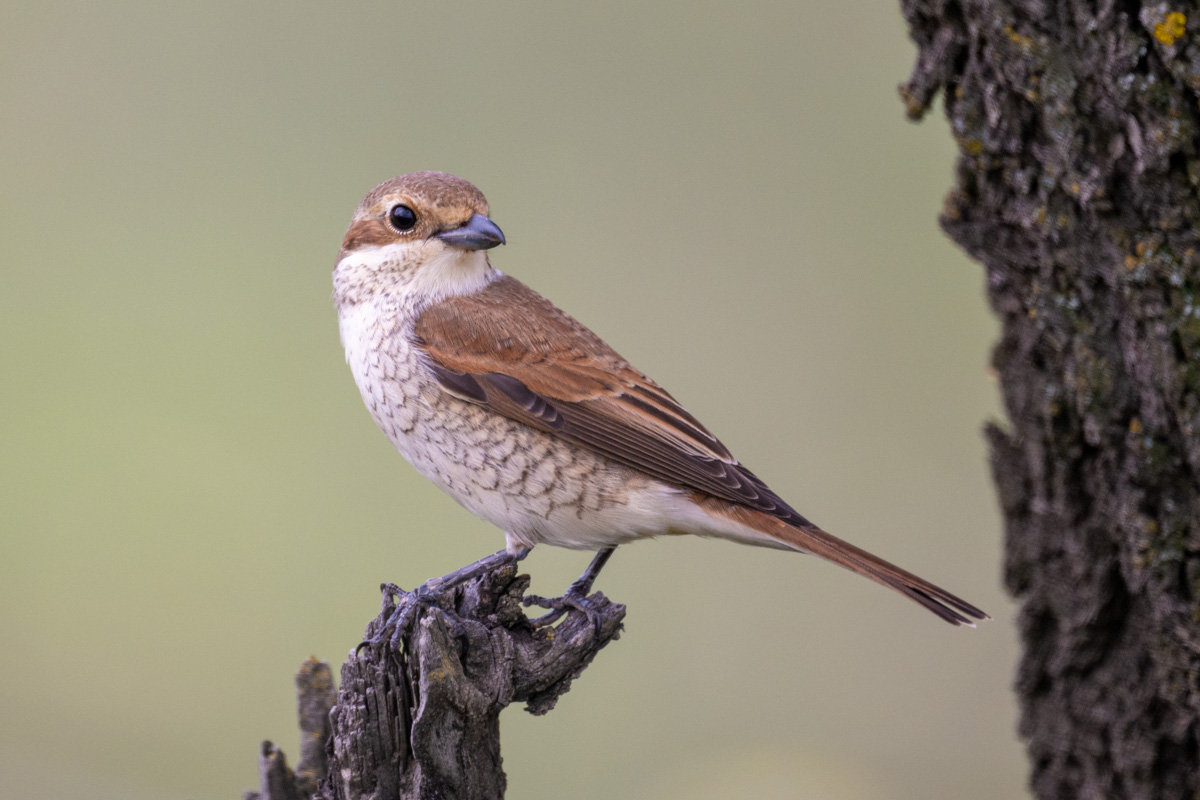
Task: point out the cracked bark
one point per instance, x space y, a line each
1077 191
422 720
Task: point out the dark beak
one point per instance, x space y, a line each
480 233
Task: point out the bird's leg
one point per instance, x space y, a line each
575 596
583 584
433 587
404 612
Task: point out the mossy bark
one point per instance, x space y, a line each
1077 191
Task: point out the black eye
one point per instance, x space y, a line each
402 218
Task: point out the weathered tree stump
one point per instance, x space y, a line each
1079 133
421 720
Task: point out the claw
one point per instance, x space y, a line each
573 600
395 618
400 609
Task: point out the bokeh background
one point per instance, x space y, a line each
193 499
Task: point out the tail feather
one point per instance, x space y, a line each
813 540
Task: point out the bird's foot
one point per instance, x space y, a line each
575 599
401 608
399 611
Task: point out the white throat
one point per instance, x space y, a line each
452 272
415 273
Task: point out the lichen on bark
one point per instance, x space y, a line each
1077 191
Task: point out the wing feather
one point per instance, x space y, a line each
542 368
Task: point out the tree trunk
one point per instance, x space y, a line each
1077 128
418 713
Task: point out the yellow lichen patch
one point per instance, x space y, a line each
912 104
952 206
448 671
1016 38
1171 28
972 147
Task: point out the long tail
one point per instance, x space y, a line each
813 540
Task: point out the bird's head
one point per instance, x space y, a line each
423 234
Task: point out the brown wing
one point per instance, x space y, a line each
511 350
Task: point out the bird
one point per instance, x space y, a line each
527 418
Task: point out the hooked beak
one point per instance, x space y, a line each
479 233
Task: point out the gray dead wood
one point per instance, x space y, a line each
1079 137
422 721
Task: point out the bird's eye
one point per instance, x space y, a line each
402 218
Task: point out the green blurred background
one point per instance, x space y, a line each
194 499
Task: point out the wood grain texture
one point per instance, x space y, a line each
421 721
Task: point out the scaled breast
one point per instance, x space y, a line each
384 366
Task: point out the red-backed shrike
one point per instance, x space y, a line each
526 417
